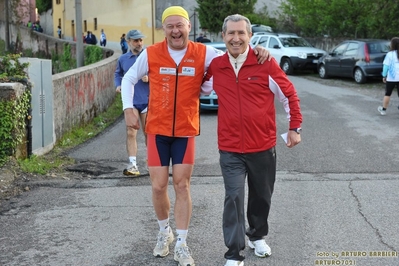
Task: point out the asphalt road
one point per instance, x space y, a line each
335 201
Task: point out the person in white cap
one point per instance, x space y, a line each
176 68
140 100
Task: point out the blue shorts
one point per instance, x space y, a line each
162 149
142 108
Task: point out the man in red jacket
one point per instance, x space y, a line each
247 135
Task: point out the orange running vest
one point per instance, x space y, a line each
173 106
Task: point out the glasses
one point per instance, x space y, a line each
137 40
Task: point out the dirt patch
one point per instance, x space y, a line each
14 181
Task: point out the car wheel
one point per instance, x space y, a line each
323 71
359 76
286 66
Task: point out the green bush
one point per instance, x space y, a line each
13 112
93 54
43 5
66 59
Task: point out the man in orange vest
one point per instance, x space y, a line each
172 120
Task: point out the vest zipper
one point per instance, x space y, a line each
174 104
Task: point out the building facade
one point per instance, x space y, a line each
115 17
119 16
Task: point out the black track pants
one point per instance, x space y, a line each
260 168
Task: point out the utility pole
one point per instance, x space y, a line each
79 41
7 13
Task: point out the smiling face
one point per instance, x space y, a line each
236 36
176 30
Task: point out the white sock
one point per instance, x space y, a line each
132 160
181 237
164 225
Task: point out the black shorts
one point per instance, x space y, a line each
389 86
162 149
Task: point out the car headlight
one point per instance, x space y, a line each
302 55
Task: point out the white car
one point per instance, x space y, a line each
290 51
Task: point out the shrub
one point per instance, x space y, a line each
93 54
13 112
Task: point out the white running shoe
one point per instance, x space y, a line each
382 112
234 263
183 256
163 242
261 248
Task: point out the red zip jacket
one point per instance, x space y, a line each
246 114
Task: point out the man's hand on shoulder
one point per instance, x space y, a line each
263 54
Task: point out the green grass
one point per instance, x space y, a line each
54 160
42 165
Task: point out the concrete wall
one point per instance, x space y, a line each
11 91
80 94
25 38
83 93
46 21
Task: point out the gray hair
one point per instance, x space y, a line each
236 18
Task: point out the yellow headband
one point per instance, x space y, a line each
175 11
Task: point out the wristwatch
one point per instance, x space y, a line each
297 130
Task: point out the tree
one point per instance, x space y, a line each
212 13
262 17
43 5
341 18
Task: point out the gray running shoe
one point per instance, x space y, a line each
183 256
163 242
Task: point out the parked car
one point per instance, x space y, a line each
218 45
357 59
290 51
210 102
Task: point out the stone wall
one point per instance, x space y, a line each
83 93
24 38
80 94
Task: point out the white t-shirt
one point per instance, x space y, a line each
391 60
